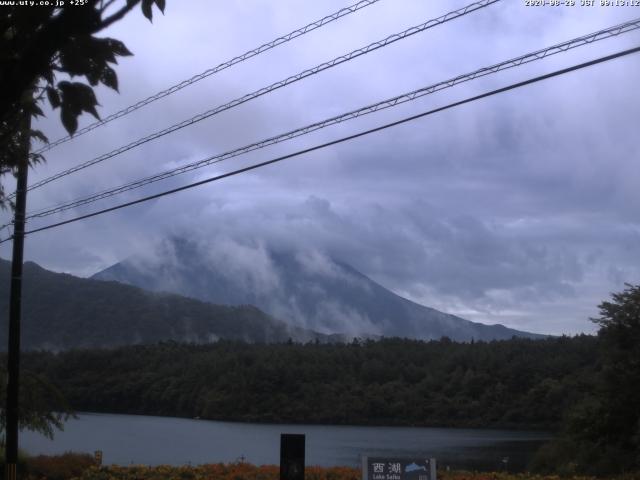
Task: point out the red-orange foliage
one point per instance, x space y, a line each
59 467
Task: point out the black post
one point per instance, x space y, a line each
292 456
15 303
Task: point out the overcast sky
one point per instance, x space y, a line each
521 209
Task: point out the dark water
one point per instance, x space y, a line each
126 439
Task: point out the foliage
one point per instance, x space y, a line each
218 471
59 467
42 405
78 466
620 396
38 43
601 434
515 383
245 471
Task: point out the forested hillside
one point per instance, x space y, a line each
516 383
62 311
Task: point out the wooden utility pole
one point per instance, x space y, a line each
15 303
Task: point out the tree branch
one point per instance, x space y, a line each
104 6
119 14
43 46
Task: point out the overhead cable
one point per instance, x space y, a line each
207 73
391 102
282 83
340 140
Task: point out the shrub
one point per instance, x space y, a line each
59 467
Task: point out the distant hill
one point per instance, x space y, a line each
61 311
305 289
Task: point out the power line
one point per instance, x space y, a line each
341 140
9 232
282 83
397 100
207 73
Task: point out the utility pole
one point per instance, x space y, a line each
15 303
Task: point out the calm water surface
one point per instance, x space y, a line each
126 439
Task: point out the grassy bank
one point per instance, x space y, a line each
82 467
243 471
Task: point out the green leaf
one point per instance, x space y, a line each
48 76
35 110
36 158
76 98
161 4
75 57
54 98
109 78
90 56
117 47
94 77
146 9
39 135
91 108
69 119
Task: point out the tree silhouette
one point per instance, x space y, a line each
37 44
619 416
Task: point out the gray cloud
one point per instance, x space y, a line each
520 209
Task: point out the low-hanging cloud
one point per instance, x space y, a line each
521 209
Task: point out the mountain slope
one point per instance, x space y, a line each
305 289
61 311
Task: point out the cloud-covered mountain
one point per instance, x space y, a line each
60 311
304 288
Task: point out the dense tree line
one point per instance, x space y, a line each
585 388
517 383
601 433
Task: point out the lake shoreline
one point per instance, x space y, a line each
498 427
138 439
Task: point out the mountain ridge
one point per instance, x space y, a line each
303 288
61 311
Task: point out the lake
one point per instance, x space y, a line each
127 439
